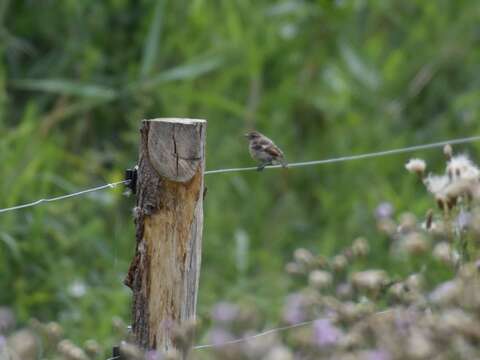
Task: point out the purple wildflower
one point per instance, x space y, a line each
153 355
293 312
377 354
224 312
220 336
324 333
7 319
384 210
463 219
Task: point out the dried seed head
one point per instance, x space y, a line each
344 291
436 184
443 252
448 151
416 166
93 348
25 344
7 319
53 331
397 291
292 268
339 263
360 247
408 222
415 282
419 345
279 352
369 280
414 244
304 257
70 351
446 293
461 167
320 279
387 226
458 321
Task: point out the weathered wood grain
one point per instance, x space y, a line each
164 273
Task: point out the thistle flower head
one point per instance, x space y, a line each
294 309
279 353
339 262
414 244
461 167
446 293
384 210
416 166
369 279
448 151
320 279
436 184
304 257
224 312
360 247
7 319
325 333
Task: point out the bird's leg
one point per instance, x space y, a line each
263 165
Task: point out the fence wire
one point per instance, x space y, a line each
263 333
252 168
63 197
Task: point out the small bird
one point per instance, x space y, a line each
263 150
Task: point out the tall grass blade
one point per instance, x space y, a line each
150 50
65 87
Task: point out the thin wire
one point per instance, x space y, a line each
263 333
57 198
354 157
247 338
267 332
292 165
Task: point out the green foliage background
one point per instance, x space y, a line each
323 78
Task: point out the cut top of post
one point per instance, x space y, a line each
183 121
176 146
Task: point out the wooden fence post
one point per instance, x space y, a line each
164 273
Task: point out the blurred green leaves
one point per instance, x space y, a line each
66 87
322 78
152 43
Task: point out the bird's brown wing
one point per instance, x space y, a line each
274 151
267 145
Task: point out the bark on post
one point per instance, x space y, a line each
164 273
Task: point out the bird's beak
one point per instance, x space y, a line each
246 135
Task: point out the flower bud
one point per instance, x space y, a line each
369 280
320 279
416 166
448 151
339 263
360 247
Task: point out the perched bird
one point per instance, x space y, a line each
263 150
